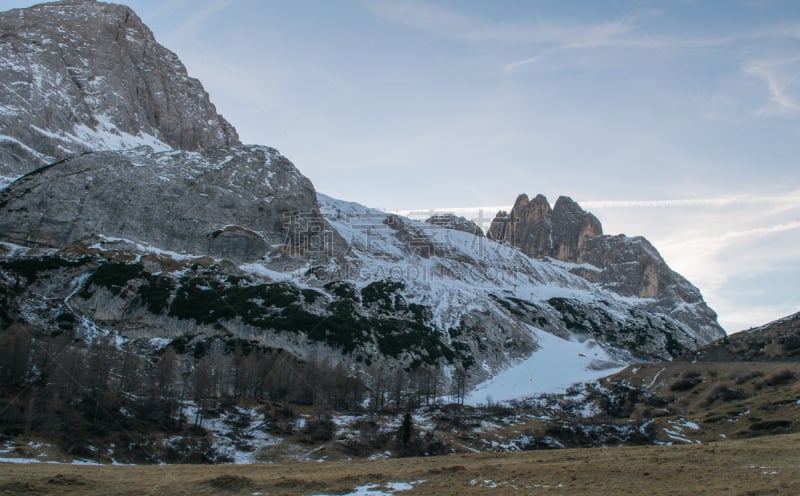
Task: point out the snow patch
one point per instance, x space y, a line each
557 364
382 489
572 266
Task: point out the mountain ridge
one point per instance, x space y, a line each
201 237
629 266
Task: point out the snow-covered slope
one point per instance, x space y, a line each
558 364
507 304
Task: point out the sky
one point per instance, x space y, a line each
678 121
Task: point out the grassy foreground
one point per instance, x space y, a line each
764 465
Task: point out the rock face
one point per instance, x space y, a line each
627 266
79 76
541 231
114 139
234 202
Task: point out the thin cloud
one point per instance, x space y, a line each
724 239
777 85
454 25
615 34
519 64
190 25
790 199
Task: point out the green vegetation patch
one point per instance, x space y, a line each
114 276
31 268
384 295
280 307
342 289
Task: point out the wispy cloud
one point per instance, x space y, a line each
520 64
624 32
721 240
778 84
455 25
192 23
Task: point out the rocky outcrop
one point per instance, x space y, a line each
456 223
572 228
627 266
78 76
237 203
541 231
527 227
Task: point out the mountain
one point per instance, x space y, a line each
133 212
79 76
568 236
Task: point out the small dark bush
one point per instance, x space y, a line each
689 381
748 376
115 276
782 377
320 428
342 289
726 393
768 425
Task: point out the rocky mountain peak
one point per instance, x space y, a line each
527 226
81 76
627 266
572 226
521 202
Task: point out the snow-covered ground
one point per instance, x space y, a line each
558 364
229 441
382 489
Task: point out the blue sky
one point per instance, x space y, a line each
675 120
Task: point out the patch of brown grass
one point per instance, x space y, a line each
764 465
229 482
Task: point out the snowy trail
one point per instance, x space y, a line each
655 377
558 364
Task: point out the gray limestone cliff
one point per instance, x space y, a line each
105 134
237 203
79 76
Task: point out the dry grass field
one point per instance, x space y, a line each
731 399
757 466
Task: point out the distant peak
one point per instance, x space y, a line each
521 201
565 202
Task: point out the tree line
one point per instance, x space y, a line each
60 386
